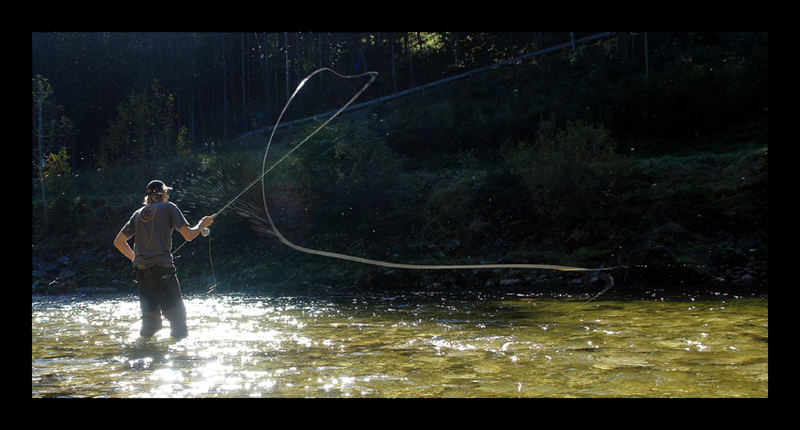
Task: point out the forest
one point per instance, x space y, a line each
647 150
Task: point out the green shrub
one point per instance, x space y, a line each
344 176
566 172
57 172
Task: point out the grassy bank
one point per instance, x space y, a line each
676 221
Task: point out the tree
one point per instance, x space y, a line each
41 91
145 126
51 129
56 171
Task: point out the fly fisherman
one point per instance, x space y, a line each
154 271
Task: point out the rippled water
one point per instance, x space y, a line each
412 345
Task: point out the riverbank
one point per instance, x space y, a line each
672 222
103 271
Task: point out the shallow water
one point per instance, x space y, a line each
410 345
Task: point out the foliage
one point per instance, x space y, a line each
346 174
57 172
694 81
575 157
567 174
41 89
56 129
183 144
144 129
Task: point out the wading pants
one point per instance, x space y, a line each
160 292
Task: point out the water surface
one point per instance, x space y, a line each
432 344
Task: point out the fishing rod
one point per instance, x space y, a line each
206 231
373 76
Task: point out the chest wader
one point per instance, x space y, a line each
160 292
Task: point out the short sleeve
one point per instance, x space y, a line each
176 218
129 229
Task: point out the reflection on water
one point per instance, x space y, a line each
412 345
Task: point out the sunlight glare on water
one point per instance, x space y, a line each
407 345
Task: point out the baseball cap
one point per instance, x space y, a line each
156 186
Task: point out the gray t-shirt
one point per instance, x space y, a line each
153 225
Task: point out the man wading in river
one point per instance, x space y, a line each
154 271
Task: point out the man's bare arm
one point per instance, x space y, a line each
121 243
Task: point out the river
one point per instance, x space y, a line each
426 344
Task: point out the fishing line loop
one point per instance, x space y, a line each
264 171
287 242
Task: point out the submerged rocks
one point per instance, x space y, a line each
508 282
746 281
673 256
55 274
65 274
